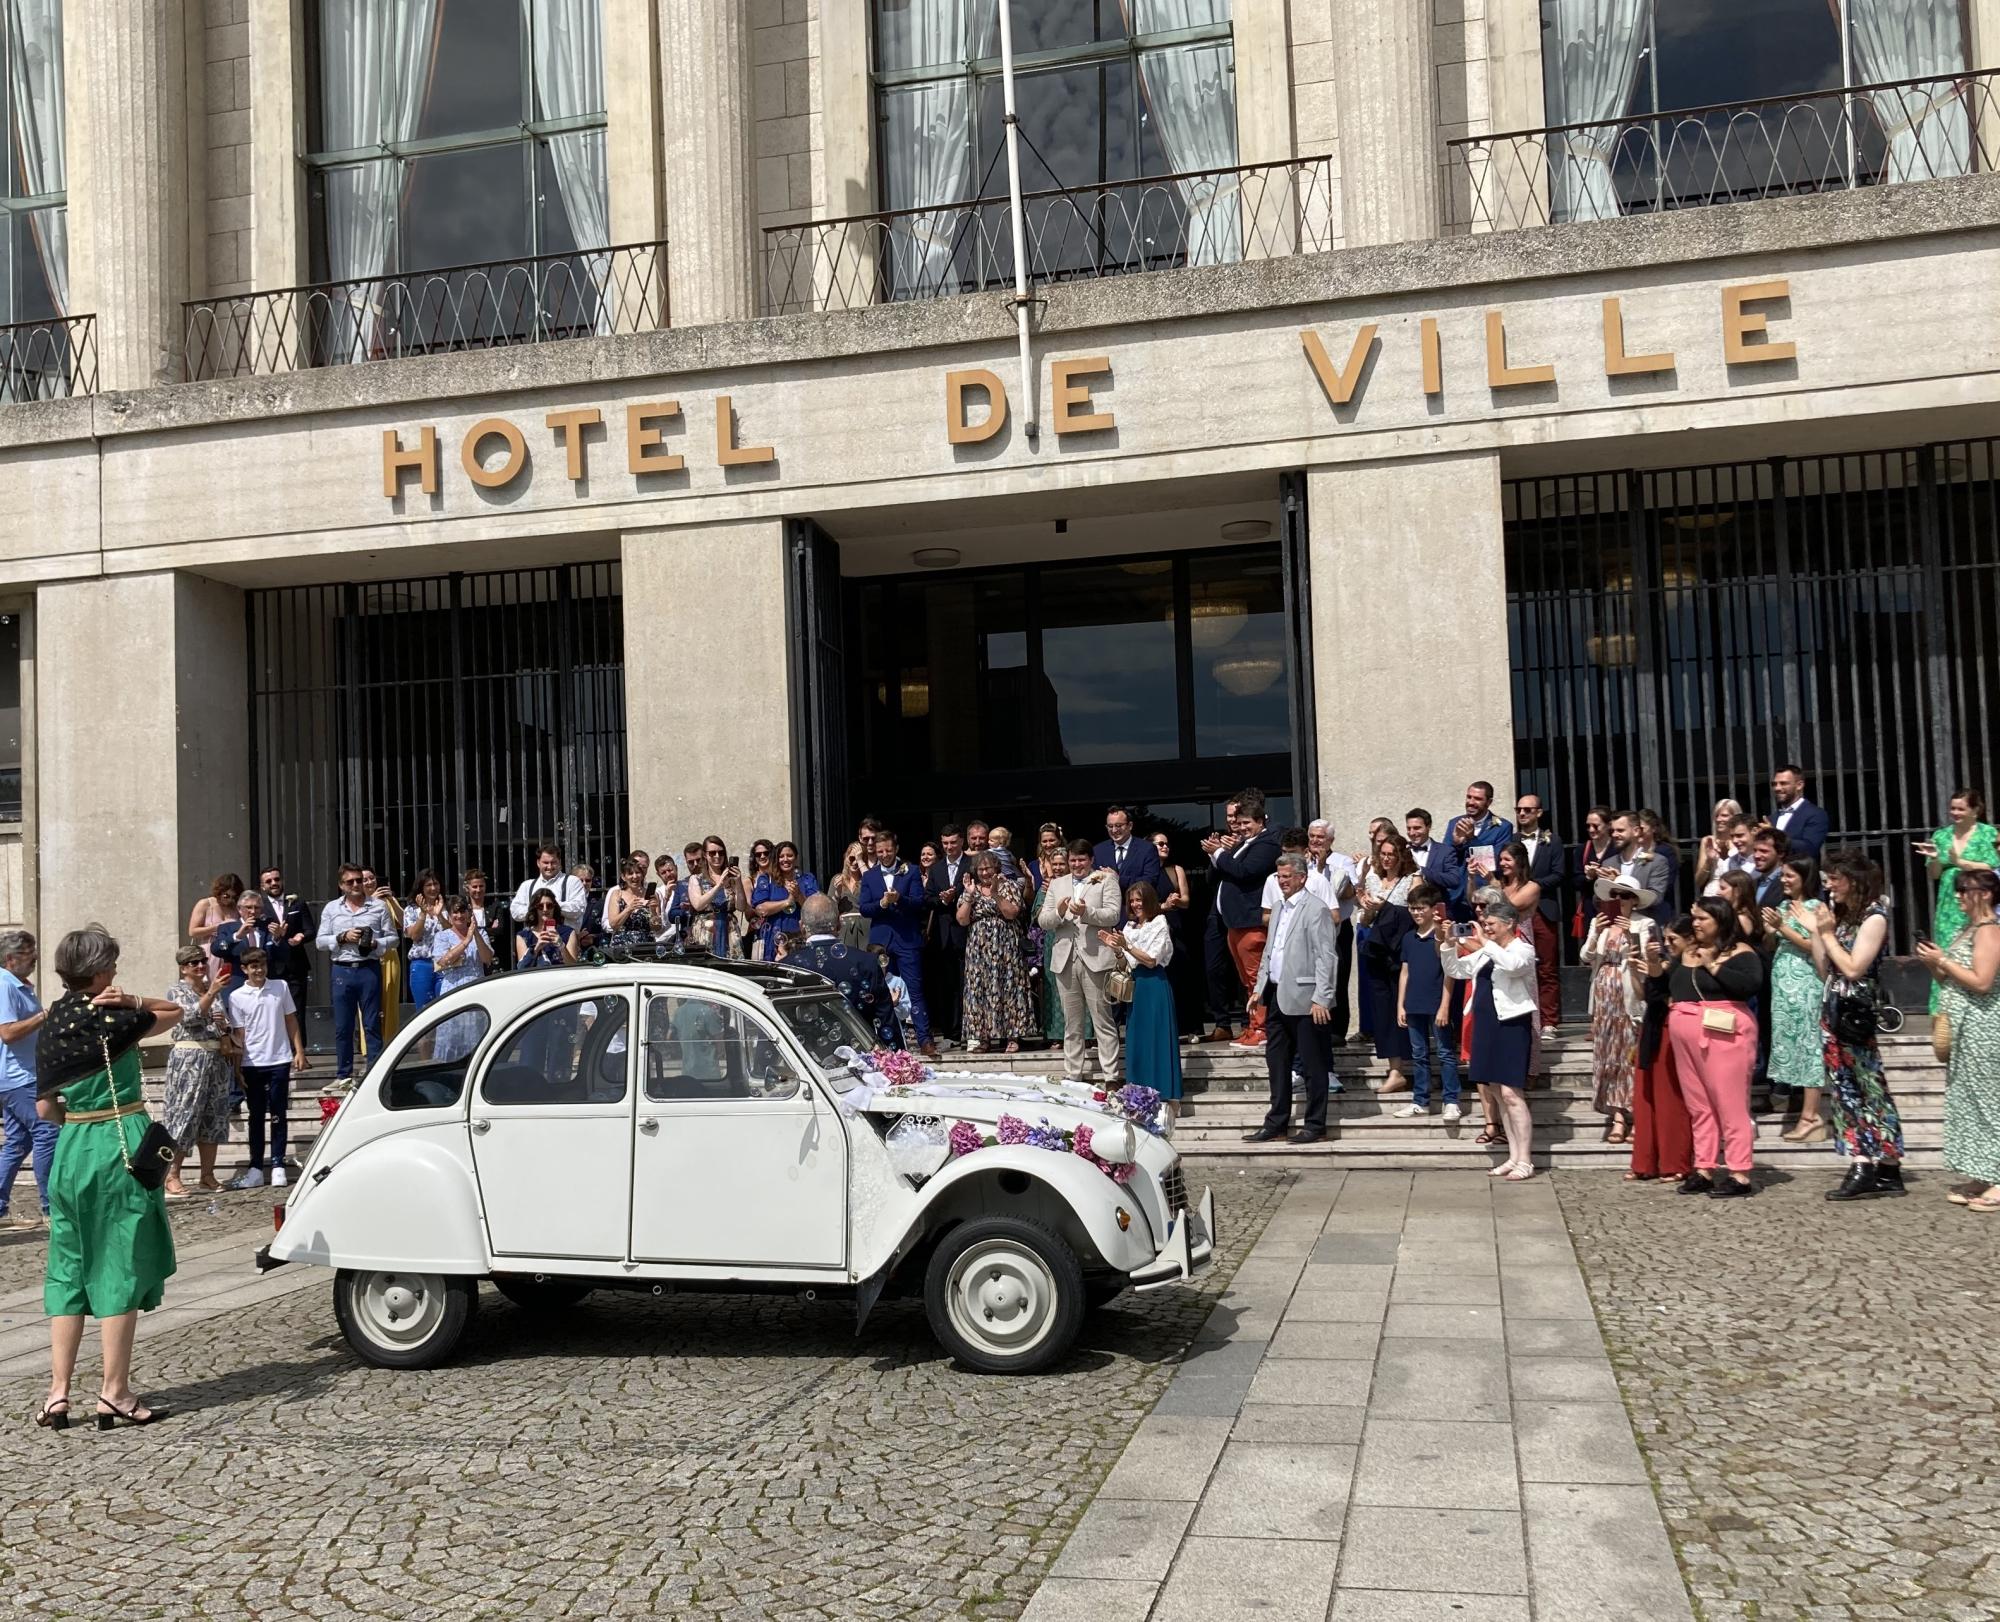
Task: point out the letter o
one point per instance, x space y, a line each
509 469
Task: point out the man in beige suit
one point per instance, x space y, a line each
1076 907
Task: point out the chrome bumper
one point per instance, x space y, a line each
1189 1250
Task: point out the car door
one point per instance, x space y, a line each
551 1127
736 1159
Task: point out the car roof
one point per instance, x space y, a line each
675 966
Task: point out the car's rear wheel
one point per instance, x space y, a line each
403 1320
541 1292
1004 1295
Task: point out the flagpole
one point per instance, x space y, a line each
1030 423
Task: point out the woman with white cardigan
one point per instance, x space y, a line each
1502 969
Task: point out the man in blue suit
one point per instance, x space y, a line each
1435 859
856 973
1133 859
1804 825
893 901
1477 839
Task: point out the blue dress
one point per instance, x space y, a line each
1500 1047
1152 1032
768 889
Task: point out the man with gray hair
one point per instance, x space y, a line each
856 973
28 1136
1333 876
1294 987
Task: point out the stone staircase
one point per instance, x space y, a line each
1227 1094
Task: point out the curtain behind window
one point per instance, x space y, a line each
1929 128
1190 93
569 83
375 64
927 140
1596 44
35 86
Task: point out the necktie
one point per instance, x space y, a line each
1121 855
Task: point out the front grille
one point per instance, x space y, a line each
1174 1187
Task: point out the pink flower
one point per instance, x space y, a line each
963 1138
1013 1129
1083 1143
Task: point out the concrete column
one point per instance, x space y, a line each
141 741
707 688
1385 107
130 203
1409 614
708 104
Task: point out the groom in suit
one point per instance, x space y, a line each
1295 989
893 902
1133 859
1076 907
1802 823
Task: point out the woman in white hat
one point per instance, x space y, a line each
1611 951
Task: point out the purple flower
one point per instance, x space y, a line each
1047 1137
963 1138
1013 1129
1140 1104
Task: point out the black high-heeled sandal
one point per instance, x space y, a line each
126 1416
54 1415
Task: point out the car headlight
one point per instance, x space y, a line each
1116 1142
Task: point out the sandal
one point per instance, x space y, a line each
1642 1177
1491 1135
135 1415
1520 1174
54 1415
1987 1203
208 1185
1621 1132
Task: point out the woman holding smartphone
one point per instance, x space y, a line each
1966 844
1609 951
1798 1051
544 941
718 902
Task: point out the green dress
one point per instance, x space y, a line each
1972 1091
1798 1051
110 1248
1946 918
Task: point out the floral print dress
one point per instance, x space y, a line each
196 1106
1948 918
1972 1095
1865 1123
1614 1029
1798 1049
997 1007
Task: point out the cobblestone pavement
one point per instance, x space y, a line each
700 1456
1813 1387
22 1252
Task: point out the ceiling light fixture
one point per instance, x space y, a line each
1246 529
935 557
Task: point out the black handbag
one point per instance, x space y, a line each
154 1158
1855 1018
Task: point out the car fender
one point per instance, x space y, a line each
1085 1204
408 1202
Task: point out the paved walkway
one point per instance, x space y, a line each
1400 1409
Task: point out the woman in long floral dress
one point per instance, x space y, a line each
1798 1049
997 1009
1850 937
1967 972
196 1106
1615 1011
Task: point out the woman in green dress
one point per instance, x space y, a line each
110 1249
1966 971
1798 1048
1965 845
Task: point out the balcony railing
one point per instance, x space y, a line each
538 300
1734 152
1120 228
54 359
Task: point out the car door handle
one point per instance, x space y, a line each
649 1126
482 1126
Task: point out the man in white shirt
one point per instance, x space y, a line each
267 1021
1075 907
571 895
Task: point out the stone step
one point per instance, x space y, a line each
1219 1160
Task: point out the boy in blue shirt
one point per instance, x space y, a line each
899 997
1423 1008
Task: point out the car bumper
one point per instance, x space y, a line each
1188 1253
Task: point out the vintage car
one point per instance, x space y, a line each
748 1139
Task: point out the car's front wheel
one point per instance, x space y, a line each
540 1292
403 1320
1004 1295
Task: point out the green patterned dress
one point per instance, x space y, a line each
1946 917
110 1249
1798 1052
1972 1092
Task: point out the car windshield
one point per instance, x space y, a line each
825 1024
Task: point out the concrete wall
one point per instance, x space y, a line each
1409 610
791 137
14 910
227 255
707 711
143 799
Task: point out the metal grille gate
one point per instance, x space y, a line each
451 722
1676 635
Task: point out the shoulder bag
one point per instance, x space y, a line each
1941 1036
154 1158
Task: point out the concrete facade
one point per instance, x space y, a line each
1408 373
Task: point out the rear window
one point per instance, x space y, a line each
431 1072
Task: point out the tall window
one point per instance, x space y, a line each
1663 82
454 132
10 717
1109 92
34 217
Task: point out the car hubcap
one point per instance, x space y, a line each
1003 1298
399 1309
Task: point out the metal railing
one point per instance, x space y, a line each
1119 228
54 359
542 299
1732 152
